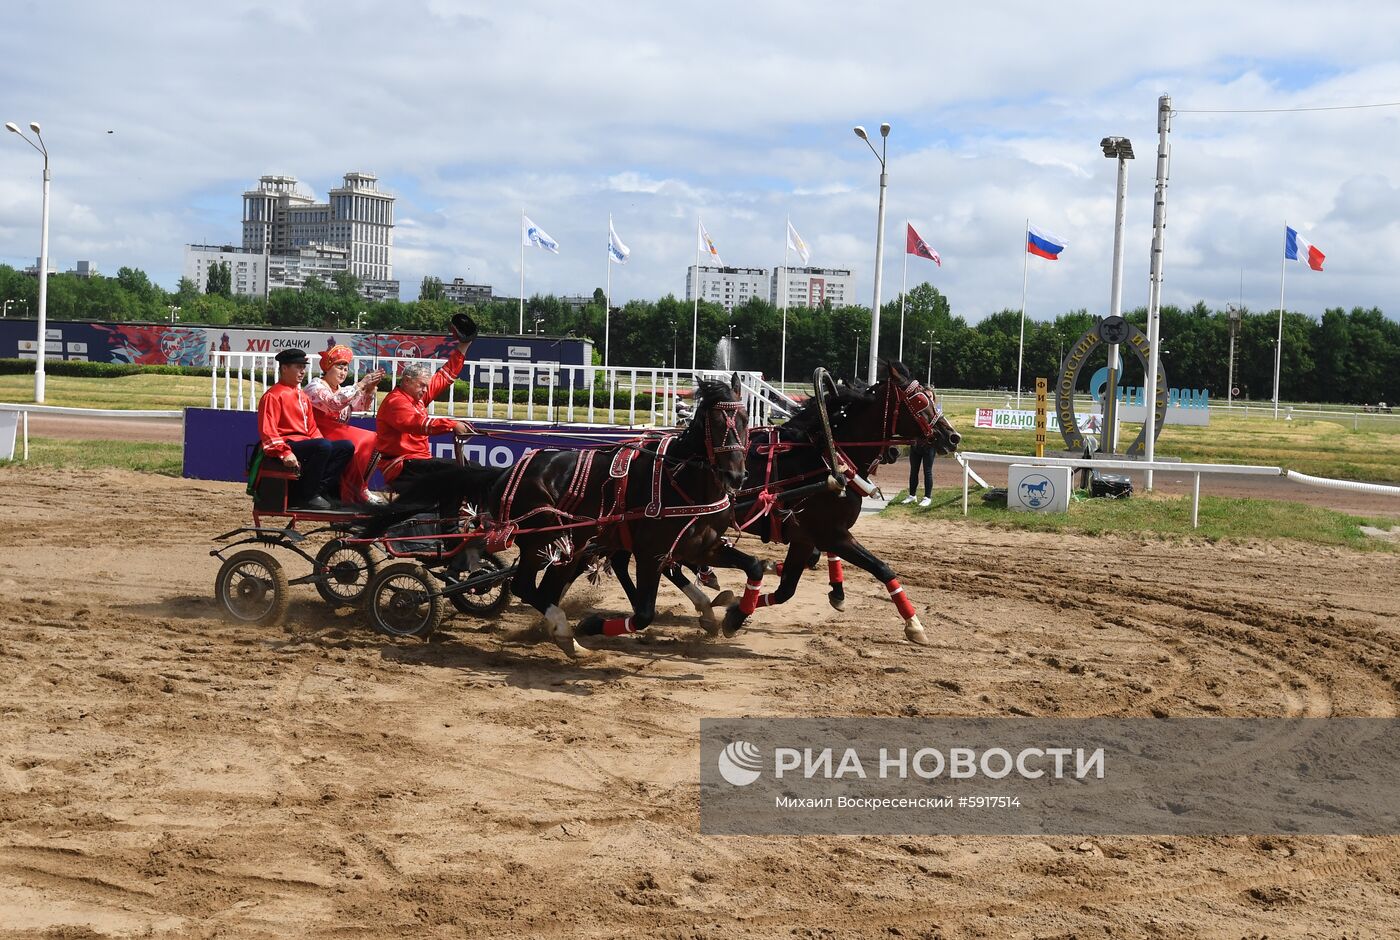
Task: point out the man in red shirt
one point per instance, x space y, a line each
403 424
287 430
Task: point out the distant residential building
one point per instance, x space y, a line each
246 268
293 269
576 302
279 219
460 292
33 269
811 287
728 287
85 270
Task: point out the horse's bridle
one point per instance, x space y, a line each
730 410
921 403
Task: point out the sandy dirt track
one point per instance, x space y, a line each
166 773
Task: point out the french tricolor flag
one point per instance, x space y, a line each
1298 248
1044 244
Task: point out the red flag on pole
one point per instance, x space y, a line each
915 245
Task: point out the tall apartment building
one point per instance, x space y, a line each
358 218
811 287
728 287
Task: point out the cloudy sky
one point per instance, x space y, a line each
739 113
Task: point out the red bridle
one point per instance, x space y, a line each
730 411
921 403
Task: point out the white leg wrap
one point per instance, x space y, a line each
558 622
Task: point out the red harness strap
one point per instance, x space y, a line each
517 475
620 472
573 495
653 509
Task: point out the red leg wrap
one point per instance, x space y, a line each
750 600
766 601
834 572
779 568
901 600
618 626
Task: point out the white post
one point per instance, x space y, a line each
967 469
521 327
903 292
1154 296
607 296
782 362
1021 349
695 310
1196 501
1278 345
1115 308
879 274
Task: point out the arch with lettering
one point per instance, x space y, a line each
1073 366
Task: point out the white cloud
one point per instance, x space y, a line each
740 113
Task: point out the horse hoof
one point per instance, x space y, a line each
914 632
571 648
710 624
837 601
723 599
733 620
592 625
770 566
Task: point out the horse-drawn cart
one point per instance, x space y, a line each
403 578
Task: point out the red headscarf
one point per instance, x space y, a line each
335 355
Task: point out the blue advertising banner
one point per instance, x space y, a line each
217 442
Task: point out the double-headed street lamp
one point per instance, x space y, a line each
1120 149
43 258
879 248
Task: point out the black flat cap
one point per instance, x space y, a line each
291 357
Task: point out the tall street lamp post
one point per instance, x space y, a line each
43 258
879 247
1120 149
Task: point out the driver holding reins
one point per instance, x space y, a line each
403 424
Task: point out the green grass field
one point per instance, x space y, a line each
1168 517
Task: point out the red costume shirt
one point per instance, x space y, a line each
403 424
284 414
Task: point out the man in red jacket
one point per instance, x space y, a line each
403 424
287 430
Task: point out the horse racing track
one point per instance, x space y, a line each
164 772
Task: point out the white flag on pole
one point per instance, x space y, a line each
532 234
796 243
617 251
707 245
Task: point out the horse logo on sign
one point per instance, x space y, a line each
1036 491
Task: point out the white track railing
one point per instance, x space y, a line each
574 394
1079 463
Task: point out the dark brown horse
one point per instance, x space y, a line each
787 466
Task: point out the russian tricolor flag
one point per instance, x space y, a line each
1044 244
1298 248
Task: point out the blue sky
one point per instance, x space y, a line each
737 113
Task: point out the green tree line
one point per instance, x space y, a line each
1345 356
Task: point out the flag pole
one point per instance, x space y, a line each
787 243
1025 267
1278 346
903 290
521 327
607 296
695 310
